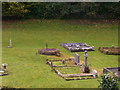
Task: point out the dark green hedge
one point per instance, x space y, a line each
60 10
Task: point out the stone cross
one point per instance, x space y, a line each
85 58
77 58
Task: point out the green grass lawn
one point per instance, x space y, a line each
28 70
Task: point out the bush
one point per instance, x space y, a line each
109 82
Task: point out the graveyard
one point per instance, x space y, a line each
31 66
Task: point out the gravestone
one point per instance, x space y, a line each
63 61
4 67
85 67
95 74
77 58
10 44
85 58
4 70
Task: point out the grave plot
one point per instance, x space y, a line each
116 71
72 73
77 47
49 51
68 70
71 61
110 50
62 63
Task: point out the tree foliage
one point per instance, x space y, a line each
109 82
14 9
53 10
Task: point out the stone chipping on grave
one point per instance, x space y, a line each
77 47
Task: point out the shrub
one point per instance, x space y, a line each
108 82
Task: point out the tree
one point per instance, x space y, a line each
14 9
65 10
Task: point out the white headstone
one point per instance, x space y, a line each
4 66
95 74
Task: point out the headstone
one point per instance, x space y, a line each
77 58
10 43
85 69
85 58
4 67
63 61
95 74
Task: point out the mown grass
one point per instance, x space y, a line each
28 70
